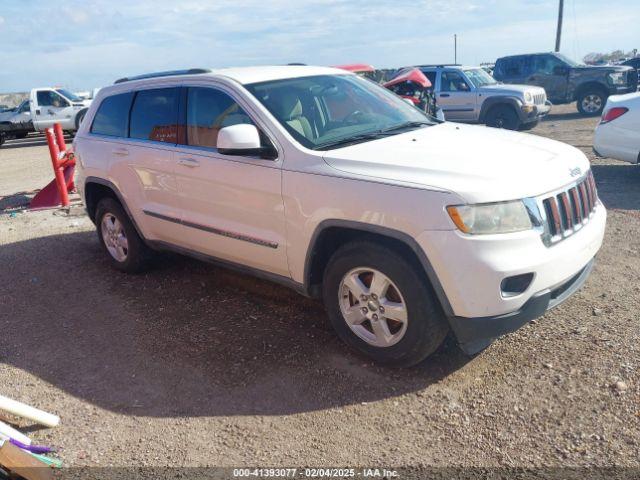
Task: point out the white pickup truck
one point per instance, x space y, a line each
56 105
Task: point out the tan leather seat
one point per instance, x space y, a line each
289 107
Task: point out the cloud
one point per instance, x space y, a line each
107 39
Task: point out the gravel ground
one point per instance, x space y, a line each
192 365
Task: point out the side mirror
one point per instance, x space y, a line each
243 140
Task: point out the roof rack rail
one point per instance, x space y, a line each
169 73
440 65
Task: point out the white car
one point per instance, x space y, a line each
327 183
618 133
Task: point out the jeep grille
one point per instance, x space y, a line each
539 98
569 210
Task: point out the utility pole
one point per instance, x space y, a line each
455 48
559 31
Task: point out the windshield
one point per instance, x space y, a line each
70 96
327 111
568 61
479 77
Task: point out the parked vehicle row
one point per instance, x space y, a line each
328 183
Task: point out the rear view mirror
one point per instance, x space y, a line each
243 140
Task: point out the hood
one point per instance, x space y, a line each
602 68
503 88
410 75
481 164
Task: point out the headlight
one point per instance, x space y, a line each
618 78
528 98
489 218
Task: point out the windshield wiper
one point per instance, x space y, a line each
363 137
405 125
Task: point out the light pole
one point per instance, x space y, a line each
559 30
455 49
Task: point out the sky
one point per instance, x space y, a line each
90 43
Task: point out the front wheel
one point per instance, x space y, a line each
503 116
379 303
591 102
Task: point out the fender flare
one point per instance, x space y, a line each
117 193
82 112
491 102
403 237
590 85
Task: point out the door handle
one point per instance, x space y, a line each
38 111
121 152
444 95
189 162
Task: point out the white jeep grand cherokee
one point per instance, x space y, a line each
325 182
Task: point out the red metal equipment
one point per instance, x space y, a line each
356 68
409 75
57 191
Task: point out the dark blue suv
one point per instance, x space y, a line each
566 81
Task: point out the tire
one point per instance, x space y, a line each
591 102
503 116
125 249
402 342
79 118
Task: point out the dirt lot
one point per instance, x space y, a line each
192 365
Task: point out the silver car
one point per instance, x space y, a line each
471 95
19 114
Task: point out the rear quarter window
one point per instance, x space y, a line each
113 115
154 115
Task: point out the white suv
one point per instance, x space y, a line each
315 178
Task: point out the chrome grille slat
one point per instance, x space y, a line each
539 98
569 210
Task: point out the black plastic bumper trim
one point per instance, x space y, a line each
475 334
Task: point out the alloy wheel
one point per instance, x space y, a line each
592 103
114 237
373 307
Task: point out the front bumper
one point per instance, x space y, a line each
470 270
474 334
533 113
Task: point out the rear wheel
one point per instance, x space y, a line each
503 116
119 238
380 304
591 102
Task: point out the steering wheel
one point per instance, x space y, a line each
351 118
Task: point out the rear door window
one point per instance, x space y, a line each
113 115
154 115
431 76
